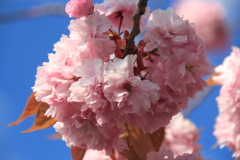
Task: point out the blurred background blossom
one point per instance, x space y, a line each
209 18
29 29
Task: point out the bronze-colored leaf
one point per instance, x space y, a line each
139 143
77 153
41 121
131 153
112 155
55 136
211 82
157 138
30 109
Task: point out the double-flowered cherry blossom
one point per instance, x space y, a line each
165 154
193 156
79 8
91 37
181 136
93 93
181 63
125 90
209 17
227 123
121 11
101 155
166 30
54 78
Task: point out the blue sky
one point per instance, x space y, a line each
24 45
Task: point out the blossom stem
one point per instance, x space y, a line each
112 155
120 24
130 44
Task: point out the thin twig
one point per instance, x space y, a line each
34 12
142 4
120 24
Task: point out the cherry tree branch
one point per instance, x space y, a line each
130 43
34 12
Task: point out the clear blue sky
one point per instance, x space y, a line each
24 45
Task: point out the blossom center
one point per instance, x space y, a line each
190 67
128 87
76 78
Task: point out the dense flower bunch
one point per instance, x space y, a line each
101 155
165 154
95 88
209 20
227 123
75 8
181 136
180 140
162 154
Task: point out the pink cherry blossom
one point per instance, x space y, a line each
57 83
181 136
88 126
228 71
87 88
227 122
209 19
81 130
185 71
79 8
158 116
182 62
54 78
165 30
163 154
124 9
100 8
92 96
122 88
179 76
193 156
101 155
91 37
96 155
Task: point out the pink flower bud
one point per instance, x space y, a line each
79 8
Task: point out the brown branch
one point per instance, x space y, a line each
130 44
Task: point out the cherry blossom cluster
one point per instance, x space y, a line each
209 20
181 136
94 88
101 155
162 154
168 155
180 141
227 123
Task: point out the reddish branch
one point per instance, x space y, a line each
130 44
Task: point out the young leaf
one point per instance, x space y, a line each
77 153
130 154
55 136
112 155
139 144
157 138
211 82
41 121
30 109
